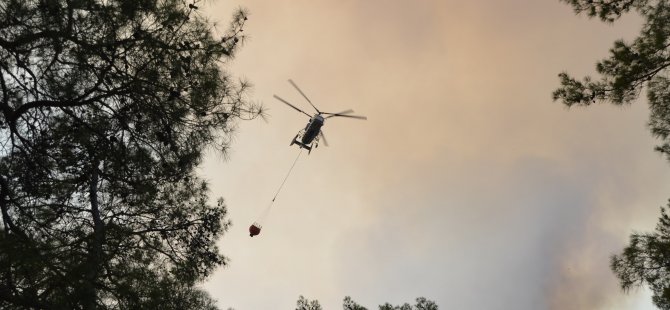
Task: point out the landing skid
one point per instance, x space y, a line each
302 145
295 140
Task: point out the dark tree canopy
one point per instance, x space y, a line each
106 109
646 260
421 304
306 304
349 304
630 68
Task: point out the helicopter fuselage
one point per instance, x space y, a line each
312 133
312 129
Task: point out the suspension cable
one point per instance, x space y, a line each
287 174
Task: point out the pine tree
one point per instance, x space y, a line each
349 304
646 260
106 108
630 68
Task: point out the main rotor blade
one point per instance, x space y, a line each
303 94
336 114
353 116
323 138
292 106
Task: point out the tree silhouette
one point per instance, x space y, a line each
349 304
630 68
646 259
421 304
305 304
106 108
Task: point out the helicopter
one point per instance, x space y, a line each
312 134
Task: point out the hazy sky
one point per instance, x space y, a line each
467 184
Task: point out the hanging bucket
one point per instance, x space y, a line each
254 229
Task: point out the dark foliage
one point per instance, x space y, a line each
630 65
630 68
646 260
305 304
106 108
348 304
421 304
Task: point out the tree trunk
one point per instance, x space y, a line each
95 254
